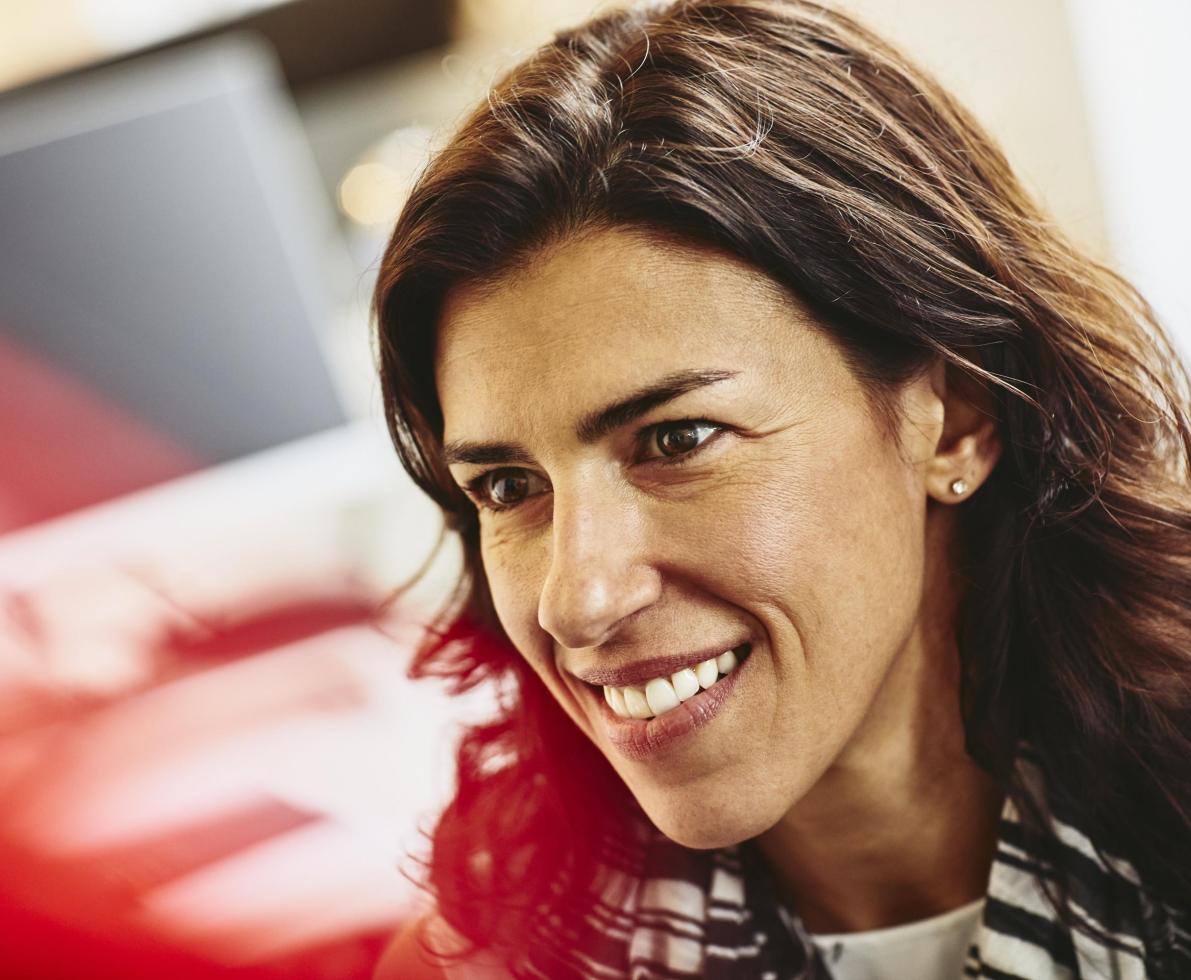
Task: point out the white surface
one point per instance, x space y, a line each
929 949
121 25
313 479
329 725
1132 59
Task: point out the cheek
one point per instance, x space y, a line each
855 554
515 566
828 545
512 568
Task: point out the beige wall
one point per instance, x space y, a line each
1012 64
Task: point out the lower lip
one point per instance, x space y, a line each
639 739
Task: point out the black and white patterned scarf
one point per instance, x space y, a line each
665 912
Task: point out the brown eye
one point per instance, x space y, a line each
507 487
682 438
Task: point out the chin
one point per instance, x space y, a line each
704 825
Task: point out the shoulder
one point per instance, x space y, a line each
429 949
407 957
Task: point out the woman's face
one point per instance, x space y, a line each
671 462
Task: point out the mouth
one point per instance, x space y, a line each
662 694
643 719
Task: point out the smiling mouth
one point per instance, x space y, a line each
661 695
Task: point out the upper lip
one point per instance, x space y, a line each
640 671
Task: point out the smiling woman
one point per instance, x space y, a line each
825 521
718 488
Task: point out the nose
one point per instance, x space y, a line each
599 573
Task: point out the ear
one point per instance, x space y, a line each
970 443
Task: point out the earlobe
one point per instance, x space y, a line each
967 450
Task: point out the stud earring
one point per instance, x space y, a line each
959 486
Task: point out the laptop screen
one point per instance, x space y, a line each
169 268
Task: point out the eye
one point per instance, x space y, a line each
505 488
677 440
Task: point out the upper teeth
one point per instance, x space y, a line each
665 693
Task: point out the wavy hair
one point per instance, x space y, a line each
787 135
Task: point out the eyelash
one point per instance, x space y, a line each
644 438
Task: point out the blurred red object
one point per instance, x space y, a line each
59 924
66 446
86 868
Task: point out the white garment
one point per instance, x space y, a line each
929 949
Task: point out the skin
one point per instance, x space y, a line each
800 526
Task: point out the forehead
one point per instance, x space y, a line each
599 315
615 279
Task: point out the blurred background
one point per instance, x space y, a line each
210 756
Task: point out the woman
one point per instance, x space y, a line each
825 519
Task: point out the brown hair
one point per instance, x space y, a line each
785 134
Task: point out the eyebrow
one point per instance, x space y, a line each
594 425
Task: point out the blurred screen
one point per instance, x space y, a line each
163 285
